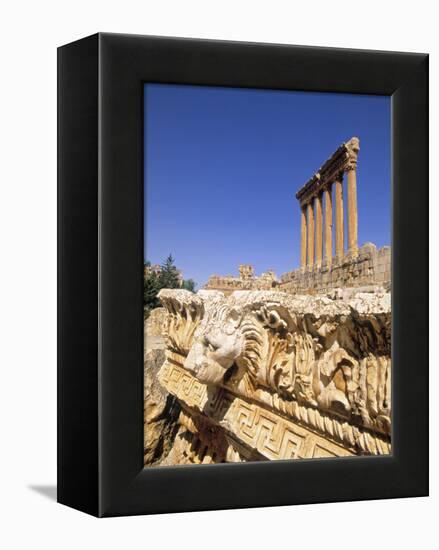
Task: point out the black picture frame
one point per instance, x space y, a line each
100 274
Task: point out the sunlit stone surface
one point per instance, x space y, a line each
264 375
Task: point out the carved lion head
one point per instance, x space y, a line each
233 338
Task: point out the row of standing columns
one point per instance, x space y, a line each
314 234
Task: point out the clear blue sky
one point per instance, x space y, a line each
222 166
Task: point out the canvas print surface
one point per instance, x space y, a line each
267 279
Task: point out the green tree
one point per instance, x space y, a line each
188 284
169 276
151 287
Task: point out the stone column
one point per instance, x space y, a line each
352 149
328 225
303 235
310 209
339 233
319 230
352 211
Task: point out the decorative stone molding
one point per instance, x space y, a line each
278 376
185 310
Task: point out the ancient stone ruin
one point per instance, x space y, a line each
310 196
247 280
257 368
369 268
322 268
263 375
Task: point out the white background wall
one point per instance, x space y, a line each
30 33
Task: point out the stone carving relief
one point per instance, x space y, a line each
302 361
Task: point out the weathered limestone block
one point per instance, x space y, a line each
279 376
247 280
155 322
161 411
153 330
368 267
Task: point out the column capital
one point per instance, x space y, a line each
309 200
339 176
352 149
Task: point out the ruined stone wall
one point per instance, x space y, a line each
372 267
228 284
246 281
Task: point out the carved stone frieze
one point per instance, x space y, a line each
280 376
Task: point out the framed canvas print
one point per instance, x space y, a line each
243 275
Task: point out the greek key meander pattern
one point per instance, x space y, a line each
258 428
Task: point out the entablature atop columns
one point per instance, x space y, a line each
342 160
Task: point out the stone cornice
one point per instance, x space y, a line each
343 159
291 362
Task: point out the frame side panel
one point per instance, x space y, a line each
410 278
78 275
